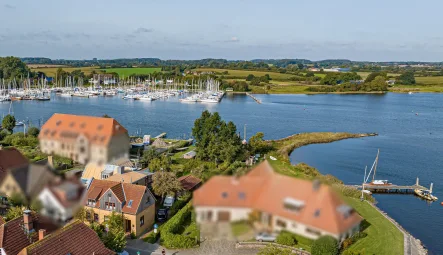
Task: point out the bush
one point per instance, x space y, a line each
4 133
347 242
152 237
273 250
33 131
170 232
325 245
133 236
286 238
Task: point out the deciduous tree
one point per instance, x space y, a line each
8 122
165 183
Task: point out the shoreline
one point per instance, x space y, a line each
412 245
336 93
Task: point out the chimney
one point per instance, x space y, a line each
50 161
316 185
41 234
27 221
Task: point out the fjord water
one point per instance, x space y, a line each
409 127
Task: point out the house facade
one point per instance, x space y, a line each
277 203
135 202
84 138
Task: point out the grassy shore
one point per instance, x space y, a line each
382 236
286 145
379 230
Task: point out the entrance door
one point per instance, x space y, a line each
224 216
128 225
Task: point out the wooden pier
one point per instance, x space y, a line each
253 97
390 188
160 135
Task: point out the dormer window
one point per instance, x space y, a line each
130 203
91 202
293 205
224 194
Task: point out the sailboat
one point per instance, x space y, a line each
374 166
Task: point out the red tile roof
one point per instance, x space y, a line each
189 182
13 238
10 158
75 238
98 130
124 191
266 191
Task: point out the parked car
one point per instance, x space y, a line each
169 200
265 237
162 214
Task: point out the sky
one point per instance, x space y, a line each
378 30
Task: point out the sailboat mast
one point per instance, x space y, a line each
376 163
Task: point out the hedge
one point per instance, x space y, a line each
171 236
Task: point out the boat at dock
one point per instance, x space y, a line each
425 194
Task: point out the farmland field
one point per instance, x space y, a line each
130 71
244 73
51 71
432 80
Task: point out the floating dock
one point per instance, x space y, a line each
253 97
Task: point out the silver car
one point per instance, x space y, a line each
265 237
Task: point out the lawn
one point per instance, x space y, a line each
383 237
129 71
240 228
51 71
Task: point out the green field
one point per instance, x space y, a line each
432 80
383 237
129 71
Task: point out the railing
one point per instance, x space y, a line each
263 244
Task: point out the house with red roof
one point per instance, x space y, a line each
135 202
84 138
281 202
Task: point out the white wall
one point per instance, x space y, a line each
49 201
236 214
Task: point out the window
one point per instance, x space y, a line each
142 221
148 199
63 146
242 195
130 203
82 149
110 206
224 194
95 217
317 213
281 223
91 202
313 232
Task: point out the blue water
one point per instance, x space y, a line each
410 145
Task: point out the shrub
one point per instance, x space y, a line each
4 133
347 242
325 245
170 232
286 238
33 131
133 236
273 250
152 237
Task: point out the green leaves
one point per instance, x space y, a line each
8 122
216 140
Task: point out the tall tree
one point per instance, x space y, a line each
406 78
9 122
12 67
115 238
165 183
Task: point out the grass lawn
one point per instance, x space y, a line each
128 71
240 228
180 154
383 237
432 80
51 71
